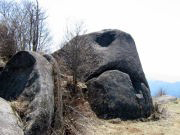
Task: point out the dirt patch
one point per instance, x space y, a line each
133 130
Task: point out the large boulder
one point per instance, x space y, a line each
28 79
112 95
10 122
115 51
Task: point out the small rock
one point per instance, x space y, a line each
115 121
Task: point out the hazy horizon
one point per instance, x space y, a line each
169 88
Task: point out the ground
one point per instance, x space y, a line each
91 125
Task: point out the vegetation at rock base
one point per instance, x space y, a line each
76 54
81 120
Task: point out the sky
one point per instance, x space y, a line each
154 25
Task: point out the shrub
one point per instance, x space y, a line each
161 92
159 112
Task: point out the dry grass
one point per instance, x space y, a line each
2 63
77 115
20 107
91 125
79 119
159 112
77 112
167 126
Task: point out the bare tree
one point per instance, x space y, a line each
28 23
77 52
161 92
7 43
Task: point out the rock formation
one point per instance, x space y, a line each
117 86
10 124
28 78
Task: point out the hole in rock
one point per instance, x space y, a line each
105 39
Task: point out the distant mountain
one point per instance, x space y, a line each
172 89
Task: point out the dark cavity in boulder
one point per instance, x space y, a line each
15 76
105 39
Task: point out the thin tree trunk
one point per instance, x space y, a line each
75 82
